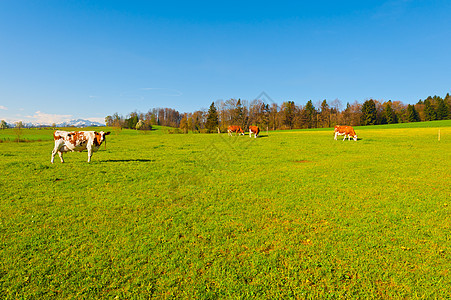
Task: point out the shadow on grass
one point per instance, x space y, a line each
352 140
129 160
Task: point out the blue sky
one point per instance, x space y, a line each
63 60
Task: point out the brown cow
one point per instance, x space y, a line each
346 131
236 129
253 130
77 141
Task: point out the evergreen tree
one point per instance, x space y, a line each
369 112
288 109
212 118
442 110
429 112
448 104
412 114
390 115
132 121
309 115
325 114
347 114
238 114
264 119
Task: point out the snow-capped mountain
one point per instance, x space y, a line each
71 123
79 123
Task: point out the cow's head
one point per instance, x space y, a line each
355 137
100 137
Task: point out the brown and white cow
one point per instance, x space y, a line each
253 130
77 141
236 129
346 131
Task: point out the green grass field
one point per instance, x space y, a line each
293 214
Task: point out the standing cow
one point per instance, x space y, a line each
236 129
77 141
253 130
346 131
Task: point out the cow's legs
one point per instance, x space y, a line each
89 153
54 153
344 138
56 149
336 134
53 156
60 154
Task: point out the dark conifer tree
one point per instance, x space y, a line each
238 114
442 110
288 109
412 114
347 114
429 111
448 104
212 118
369 112
390 115
325 114
309 115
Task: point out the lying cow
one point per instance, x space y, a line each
253 130
346 131
236 129
77 141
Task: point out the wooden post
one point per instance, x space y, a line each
439 135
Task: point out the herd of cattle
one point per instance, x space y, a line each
66 141
238 130
347 131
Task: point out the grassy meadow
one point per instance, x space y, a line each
289 215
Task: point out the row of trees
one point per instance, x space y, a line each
156 116
288 115
4 125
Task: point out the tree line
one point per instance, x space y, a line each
288 115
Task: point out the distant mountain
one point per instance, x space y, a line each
71 123
79 123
